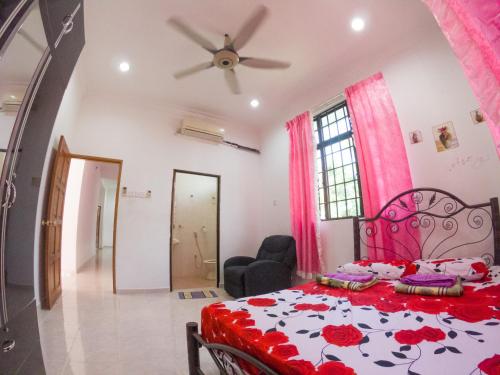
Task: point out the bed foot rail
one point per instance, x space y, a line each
225 357
193 348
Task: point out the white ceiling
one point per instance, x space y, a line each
314 35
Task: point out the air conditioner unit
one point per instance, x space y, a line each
201 129
10 106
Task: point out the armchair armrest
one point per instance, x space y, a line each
266 276
238 261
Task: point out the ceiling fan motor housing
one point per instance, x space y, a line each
226 59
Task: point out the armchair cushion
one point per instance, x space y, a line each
238 261
264 276
280 249
234 282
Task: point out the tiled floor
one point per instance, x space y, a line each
92 331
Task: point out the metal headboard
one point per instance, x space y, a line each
431 223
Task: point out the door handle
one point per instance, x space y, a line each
68 24
8 345
14 195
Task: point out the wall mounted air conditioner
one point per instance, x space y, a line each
201 129
10 106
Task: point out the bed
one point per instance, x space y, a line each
314 329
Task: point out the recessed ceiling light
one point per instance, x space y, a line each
222 130
357 24
254 103
12 96
124 66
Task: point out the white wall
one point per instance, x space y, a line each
71 216
108 216
144 138
6 124
87 216
428 87
195 207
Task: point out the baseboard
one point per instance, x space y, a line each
139 291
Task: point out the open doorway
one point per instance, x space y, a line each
88 226
194 230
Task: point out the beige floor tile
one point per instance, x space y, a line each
91 331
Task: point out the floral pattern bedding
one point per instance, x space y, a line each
314 329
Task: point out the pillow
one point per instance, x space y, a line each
469 269
388 270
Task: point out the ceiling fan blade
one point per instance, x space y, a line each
232 81
249 27
184 29
264 63
192 70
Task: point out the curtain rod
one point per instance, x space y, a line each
330 102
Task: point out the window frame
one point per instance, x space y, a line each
321 146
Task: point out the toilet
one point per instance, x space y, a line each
210 268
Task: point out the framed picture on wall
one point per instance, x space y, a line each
416 137
445 136
477 116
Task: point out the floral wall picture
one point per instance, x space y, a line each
416 137
477 116
445 136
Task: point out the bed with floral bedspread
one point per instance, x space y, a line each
314 329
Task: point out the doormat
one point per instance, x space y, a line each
197 294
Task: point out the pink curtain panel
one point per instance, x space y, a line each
303 210
382 161
472 28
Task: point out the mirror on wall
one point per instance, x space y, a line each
19 59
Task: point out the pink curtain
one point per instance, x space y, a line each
472 28
303 208
382 161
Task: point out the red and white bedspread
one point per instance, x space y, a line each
313 329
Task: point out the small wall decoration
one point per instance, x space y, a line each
416 137
445 136
477 116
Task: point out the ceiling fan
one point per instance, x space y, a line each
227 57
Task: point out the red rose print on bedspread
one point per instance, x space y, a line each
344 335
471 313
312 306
490 366
335 368
285 351
431 334
274 338
408 337
261 302
389 306
428 305
301 367
480 267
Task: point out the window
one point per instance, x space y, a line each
338 178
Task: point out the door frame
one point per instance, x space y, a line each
117 199
218 177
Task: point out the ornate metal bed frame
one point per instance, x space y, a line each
424 223
428 218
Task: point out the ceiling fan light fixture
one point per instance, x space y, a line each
357 24
124 67
254 103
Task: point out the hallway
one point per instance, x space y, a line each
92 331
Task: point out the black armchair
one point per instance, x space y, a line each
270 271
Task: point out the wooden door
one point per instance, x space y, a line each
53 224
98 228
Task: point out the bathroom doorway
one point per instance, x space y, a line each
194 230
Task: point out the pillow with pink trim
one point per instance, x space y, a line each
469 269
387 270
